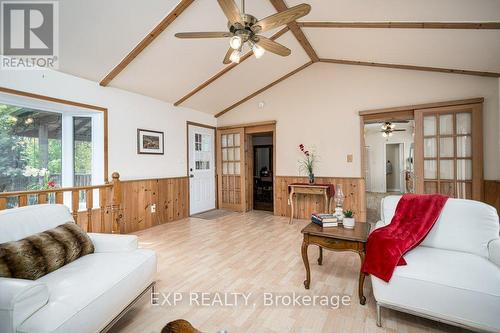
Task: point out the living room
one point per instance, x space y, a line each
184 153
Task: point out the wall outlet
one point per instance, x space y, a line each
349 158
153 208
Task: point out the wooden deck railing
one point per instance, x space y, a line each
109 201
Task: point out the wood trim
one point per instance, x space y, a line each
51 99
263 89
191 123
262 123
423 106
492 193
410 67
402 25
388 116
225 70
150 37
297 32
71 103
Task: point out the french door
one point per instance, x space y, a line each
231 168
449 152
201 169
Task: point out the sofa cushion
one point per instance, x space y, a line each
88 293
464 225
456 286
39 254
19 223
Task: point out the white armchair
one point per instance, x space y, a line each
88 294
453 276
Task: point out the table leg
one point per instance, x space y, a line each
291 206
327 209
362 298
307 281
320 258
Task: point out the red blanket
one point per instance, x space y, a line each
414 217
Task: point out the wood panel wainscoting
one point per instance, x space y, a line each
170 195
492 193
353 188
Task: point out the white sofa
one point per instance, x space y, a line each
454 275
83 296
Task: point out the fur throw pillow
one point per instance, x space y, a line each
39 254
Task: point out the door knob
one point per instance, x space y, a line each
191 176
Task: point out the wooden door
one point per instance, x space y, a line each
449 151
231 168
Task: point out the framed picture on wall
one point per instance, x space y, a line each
150 142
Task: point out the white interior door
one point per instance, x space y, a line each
201 169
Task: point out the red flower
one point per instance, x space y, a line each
51 184
301 146
306 152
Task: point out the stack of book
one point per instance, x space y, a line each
324 220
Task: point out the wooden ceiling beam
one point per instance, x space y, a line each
410 67
280 6
284 77
403 25
225 70
146 41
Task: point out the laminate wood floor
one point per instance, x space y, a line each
255 253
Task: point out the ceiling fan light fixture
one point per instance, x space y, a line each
235 42
258 50
235 56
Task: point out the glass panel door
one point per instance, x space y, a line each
449 151
230 154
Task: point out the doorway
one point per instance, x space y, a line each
388 161
394 168
201 168
262 173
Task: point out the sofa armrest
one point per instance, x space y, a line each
113 243
494 251
19 299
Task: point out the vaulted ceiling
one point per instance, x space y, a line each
97 35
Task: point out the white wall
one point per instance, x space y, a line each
319 106
126 112
377 142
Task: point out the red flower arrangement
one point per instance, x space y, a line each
307 164
51 184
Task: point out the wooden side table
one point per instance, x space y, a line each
336 239
314 189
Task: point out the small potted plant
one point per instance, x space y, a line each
348 221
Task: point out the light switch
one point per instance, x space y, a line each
349 158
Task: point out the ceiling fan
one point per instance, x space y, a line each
389 127
244 28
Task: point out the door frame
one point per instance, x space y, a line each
248 130
192 123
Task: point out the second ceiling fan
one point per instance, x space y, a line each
243 28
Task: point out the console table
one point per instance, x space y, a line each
324 190
336 239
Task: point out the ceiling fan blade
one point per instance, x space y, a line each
272 46
203 34
281 18
398 130
226 58
230 10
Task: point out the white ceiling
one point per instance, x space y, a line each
95 35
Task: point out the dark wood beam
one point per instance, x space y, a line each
402 25
252 95
183 5
225 70
410 67
297 32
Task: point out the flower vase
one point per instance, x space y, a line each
311 178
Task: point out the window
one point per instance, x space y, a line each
45 144
202 151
